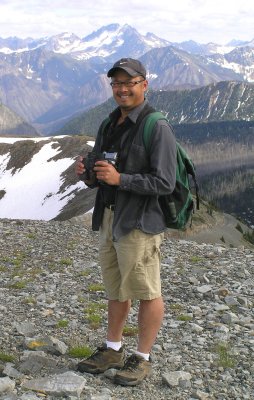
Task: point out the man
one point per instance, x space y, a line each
130 221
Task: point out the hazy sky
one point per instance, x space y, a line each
175 20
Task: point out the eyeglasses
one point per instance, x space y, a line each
128 84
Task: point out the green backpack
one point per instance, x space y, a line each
178 206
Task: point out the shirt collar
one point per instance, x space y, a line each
133 114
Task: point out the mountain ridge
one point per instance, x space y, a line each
222 101
52 79
70 42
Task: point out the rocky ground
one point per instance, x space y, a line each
52 302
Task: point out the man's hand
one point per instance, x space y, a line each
107 173
79 167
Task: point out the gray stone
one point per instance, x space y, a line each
221 307
198 394
193 280
157 348
204 289
196 328
12 372
34 363
48 344
6 385
68 383
30 396
173 378
243 301
229 318
9 396
231 301
25 328
110 373
60 346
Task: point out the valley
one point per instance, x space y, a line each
225 168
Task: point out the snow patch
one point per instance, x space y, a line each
32 192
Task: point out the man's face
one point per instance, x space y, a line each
128 97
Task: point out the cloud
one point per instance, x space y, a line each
200 20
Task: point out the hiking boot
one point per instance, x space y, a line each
135 370
102 359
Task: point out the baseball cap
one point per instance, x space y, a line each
129 65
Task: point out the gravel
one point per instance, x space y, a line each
52 300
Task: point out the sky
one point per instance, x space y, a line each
204 21
37 198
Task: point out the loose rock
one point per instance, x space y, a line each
53 301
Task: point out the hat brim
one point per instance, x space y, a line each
129 71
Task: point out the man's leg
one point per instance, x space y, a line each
139 262
117 315
150 318
138 366
110 354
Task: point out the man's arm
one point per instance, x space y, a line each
80 167
162 175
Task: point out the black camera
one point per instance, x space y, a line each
90 160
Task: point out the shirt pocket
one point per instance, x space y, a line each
137 160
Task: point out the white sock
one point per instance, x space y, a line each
144 355
114 345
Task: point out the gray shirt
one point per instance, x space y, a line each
146 176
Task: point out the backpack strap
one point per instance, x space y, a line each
151 120
104 123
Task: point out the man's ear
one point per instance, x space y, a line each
146 89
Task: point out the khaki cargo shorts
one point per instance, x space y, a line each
131 266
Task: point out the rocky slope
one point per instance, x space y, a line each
52 299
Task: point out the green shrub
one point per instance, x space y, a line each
225 357
176 308
94 320
95 307
6 357
96 287
18 285
195 259
29 300
63 323
183 317
66 261
80 351
130 331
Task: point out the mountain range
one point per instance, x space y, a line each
222 101
50 80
